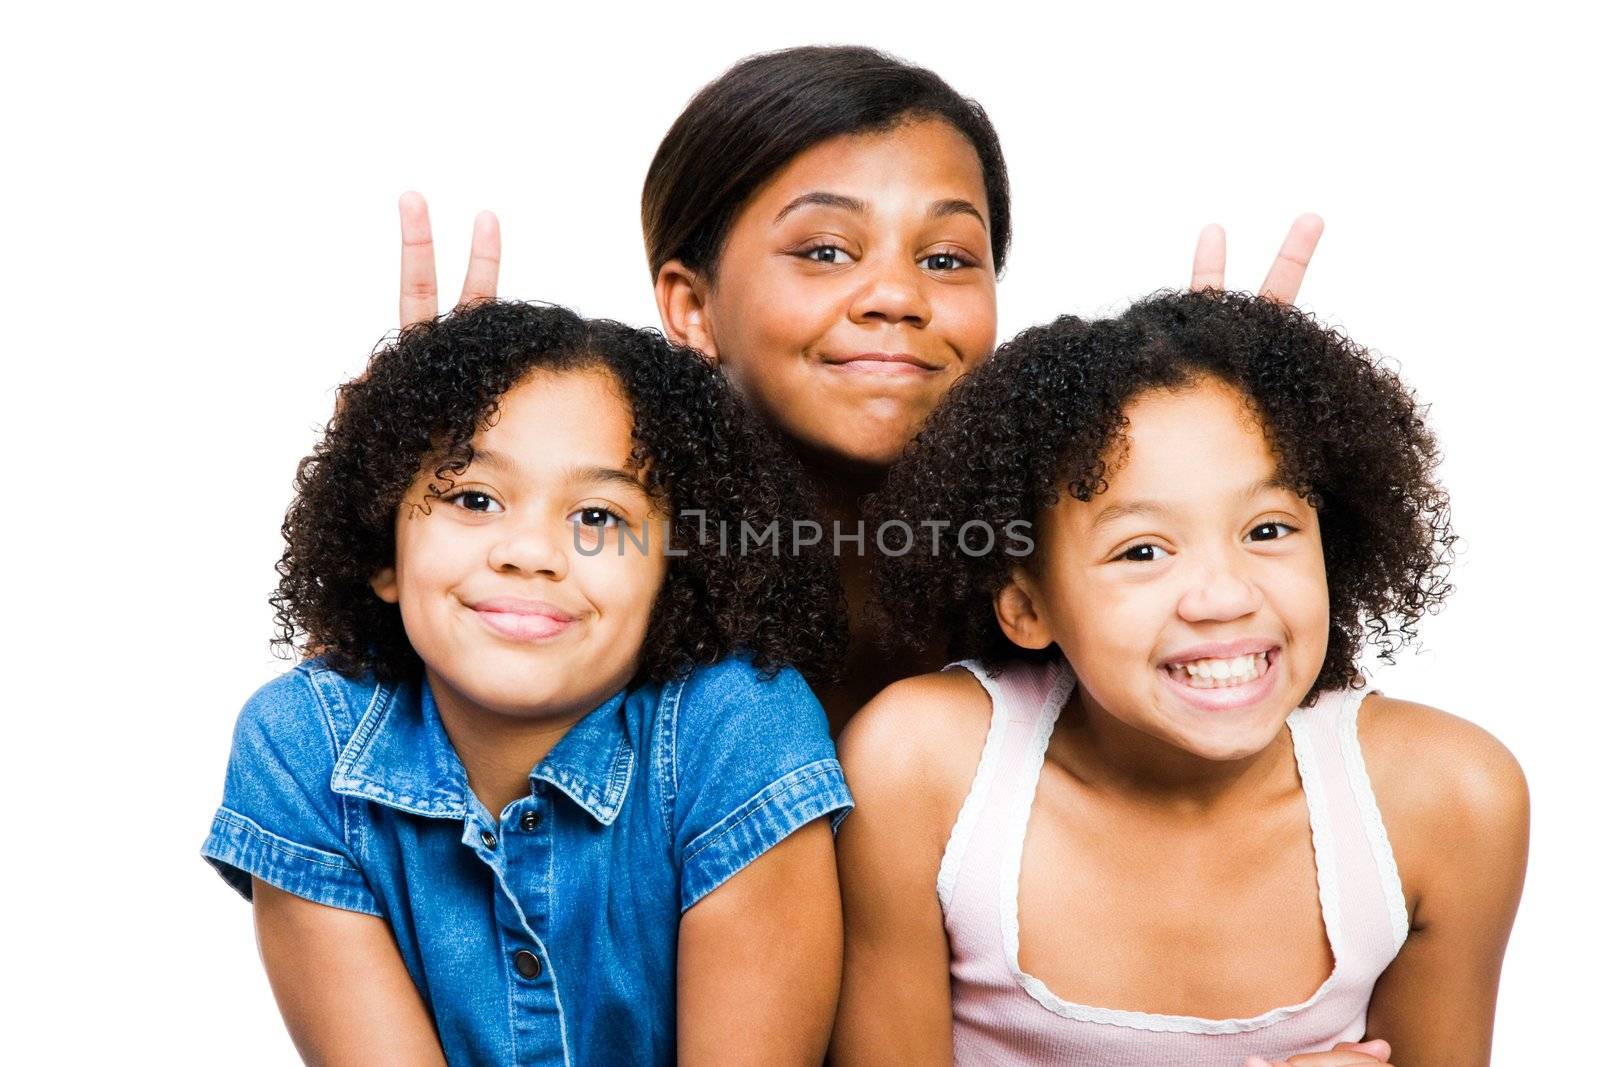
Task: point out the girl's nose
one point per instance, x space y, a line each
1218 594
892 292
532 548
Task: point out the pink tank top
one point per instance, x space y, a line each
1003 1015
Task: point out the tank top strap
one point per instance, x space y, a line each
1025 699
1368 920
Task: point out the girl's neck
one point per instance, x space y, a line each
876 658
498 751
1107 754
840 485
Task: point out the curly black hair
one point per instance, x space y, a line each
426 395
1043 415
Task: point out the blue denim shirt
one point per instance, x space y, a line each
548 935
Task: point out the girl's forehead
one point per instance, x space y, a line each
1192 441
923 159
553 419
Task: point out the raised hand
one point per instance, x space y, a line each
1287 272
1345 1054
419 288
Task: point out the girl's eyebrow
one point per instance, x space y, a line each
940 209
607 476
1132 507
956 206
587 475
820 199
1155 507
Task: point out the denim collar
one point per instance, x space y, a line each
400 756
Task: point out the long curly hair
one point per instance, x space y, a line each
1045 413
418 407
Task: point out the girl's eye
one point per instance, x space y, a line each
1270 531
475 500
596 517
1144 554
944 261
826 254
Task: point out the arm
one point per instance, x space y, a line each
895 1002
755 788
279 839
759 958
1463 827
340 984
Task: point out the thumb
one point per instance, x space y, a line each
1374 1047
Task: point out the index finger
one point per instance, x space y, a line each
483 268
419 289
1289 269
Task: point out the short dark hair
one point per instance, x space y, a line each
426 395
742 128
1042 415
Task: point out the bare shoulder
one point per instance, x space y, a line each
1451 794
1421 753
916 745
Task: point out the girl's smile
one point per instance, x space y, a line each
523 620
1226 678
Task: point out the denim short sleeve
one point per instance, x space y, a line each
753 763
280 820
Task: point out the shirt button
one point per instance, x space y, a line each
489 840
527 964
530 820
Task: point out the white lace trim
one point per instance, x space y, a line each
977 797
1322 847
1372 818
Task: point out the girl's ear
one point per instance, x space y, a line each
1018 607
386 586
681 300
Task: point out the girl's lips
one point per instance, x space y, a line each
885 364
883 367
523 620
1227 698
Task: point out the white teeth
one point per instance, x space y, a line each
1216 673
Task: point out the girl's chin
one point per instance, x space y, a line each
1225 737
867 452
1228 749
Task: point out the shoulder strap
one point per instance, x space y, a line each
1370 905
1008 771
977 797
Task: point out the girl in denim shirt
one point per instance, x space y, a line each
548 792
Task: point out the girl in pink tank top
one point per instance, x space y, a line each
1155 816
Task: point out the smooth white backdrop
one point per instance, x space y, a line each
200 243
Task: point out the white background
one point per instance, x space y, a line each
200 242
